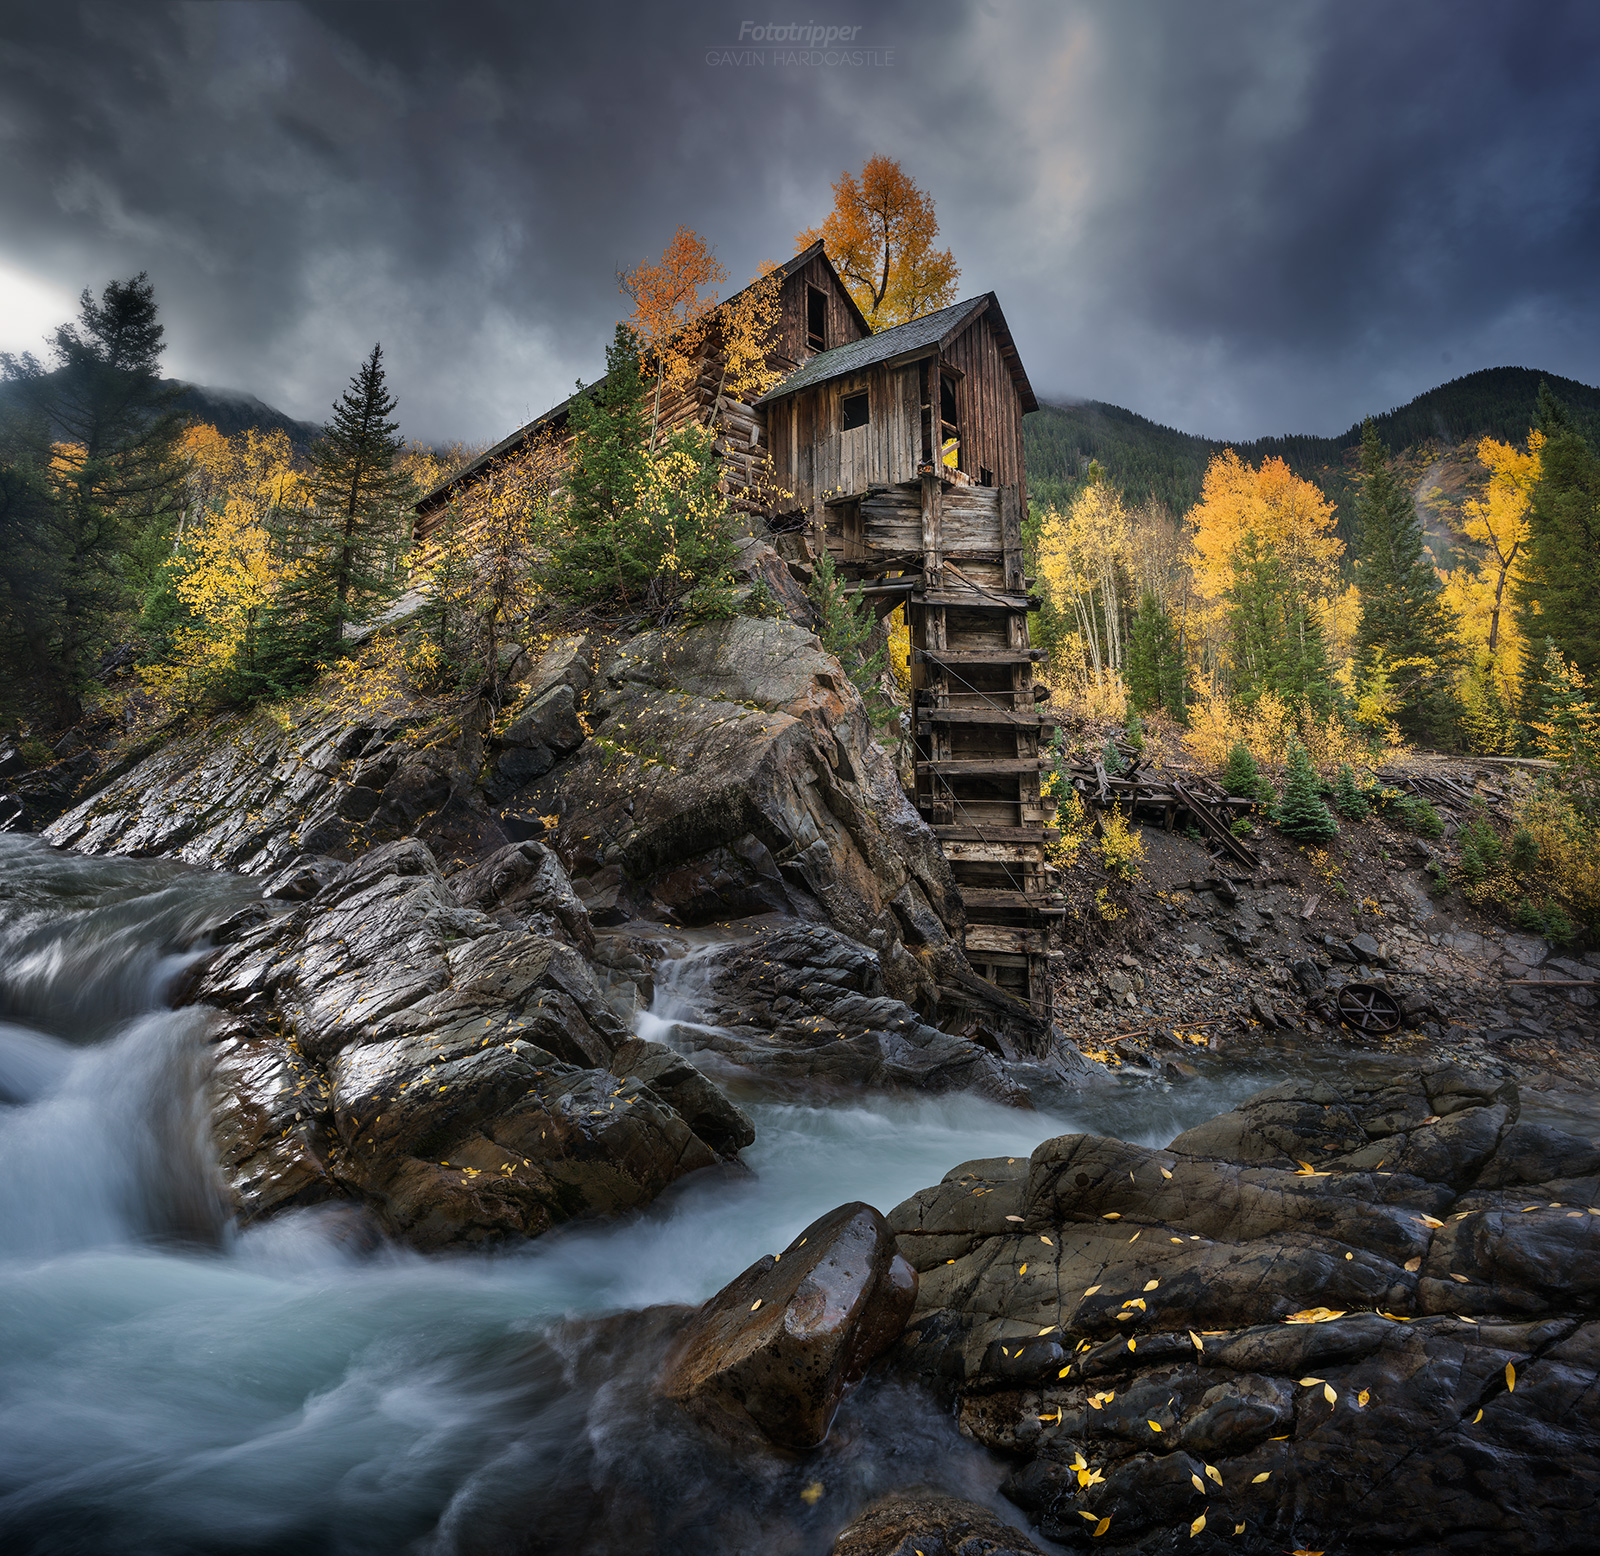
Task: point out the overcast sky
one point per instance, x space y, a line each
1235 217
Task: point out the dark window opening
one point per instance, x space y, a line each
816 318
853 410
949 429
927 419
985 476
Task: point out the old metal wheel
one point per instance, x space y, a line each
1368 1008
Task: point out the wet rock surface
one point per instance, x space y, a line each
459 1074
780 1344
731 771
925 1521
796 1001
1361 1311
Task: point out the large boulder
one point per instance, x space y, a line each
460 1076
731 770
780 1344
1361 1310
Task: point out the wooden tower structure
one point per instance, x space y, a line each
901 454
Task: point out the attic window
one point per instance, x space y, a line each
853 411
816 318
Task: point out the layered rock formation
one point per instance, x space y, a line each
455 1071
1362 1311
731 771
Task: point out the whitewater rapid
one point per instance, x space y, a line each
171 1385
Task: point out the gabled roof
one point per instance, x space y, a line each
556 414
939 328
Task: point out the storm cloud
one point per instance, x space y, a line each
1235 217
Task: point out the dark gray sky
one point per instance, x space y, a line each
1235 216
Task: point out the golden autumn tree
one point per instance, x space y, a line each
1082 556
228 566
1490 685
1265 563
673 301
880 236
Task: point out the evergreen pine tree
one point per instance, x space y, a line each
1241 774
357 530
1110 757
1403 613
1348 799
1278 642
1557 599
1154 669
96 433
1301 813
1133 730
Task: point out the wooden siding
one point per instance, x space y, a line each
815 460
988 406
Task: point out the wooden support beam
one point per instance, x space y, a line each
1030 720
971 834
980 656
973 767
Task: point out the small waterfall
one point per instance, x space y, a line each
677 1013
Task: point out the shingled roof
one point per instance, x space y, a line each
938 328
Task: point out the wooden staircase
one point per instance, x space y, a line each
978 730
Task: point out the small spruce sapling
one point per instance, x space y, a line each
1110 757
1301 813
1240 774
1348 799
1133 730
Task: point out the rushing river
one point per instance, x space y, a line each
169 1385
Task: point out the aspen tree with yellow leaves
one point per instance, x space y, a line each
880 236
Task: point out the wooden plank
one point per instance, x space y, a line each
1005 938
971 834
989 715
980 766
981 599
1215 829
996 897
982 656
992 853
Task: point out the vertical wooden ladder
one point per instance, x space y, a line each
980 740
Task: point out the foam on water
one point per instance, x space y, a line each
166 1387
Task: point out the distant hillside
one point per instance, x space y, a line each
232 410
228 410
1147 460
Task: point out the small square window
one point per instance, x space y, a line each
854 410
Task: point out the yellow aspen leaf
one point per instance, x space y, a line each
1101 1527
1112 1215
1089 1291
1013 1218
1150 1285
1134 1238
1047 1328
1046 1241
1307 1383
1330 1394
1137 1302
1065 1370
1255 1480
1511 1377
1199 1485
1022 1269
1196 1341
1155 1426
812 1494
1461 1278
1413 1265
1430 1221
1362 1398
1238 1528
1079 1462
1085 1513
1213 1473
1133 1345
1477 1418
1197 1525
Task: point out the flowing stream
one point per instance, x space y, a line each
169 1385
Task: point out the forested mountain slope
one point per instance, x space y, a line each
1148 461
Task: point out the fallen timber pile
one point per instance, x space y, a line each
1140 795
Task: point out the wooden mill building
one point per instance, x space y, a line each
901 453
